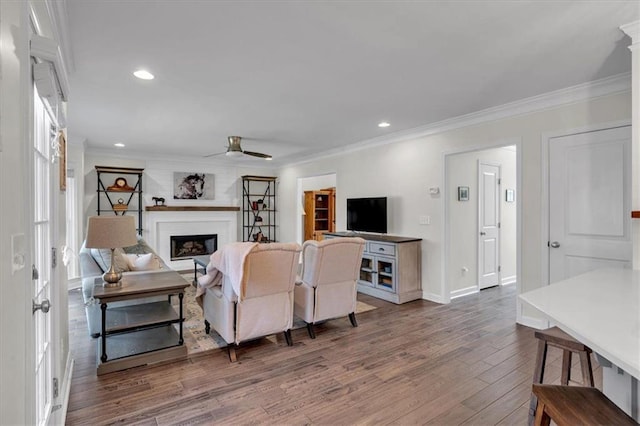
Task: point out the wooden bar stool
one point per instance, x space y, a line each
559 339
575 405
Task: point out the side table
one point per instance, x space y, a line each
143 333
202 262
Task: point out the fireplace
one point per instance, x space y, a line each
187 246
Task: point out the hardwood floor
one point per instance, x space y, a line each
418 363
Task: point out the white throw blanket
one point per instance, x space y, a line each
229 261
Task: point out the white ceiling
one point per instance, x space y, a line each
297 78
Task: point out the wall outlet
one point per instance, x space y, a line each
424 220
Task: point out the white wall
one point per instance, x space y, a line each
15 320
158 180
17 352
462 170
404 171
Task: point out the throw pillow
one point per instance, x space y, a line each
142 262
141 247
103 259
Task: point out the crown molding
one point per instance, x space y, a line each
616 84
632 29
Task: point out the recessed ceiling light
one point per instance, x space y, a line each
143 75
119 144
384 124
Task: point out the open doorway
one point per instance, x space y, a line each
310 183
481 220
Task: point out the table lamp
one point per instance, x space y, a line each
111 232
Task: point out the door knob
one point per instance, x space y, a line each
483 233
44 306
554 244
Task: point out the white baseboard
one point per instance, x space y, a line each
537 323
509 280
464 291
60 415
434 298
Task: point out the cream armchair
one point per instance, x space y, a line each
327 288
260 303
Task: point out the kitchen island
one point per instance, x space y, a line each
601 309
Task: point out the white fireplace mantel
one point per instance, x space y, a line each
162 224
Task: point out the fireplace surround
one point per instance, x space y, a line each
163 224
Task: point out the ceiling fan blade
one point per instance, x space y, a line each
256 154
214 155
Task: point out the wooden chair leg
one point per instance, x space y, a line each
566 368
585 363
312 333
538 375
287 337
542 417
207 327
352 318
231 350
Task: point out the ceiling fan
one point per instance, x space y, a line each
235 150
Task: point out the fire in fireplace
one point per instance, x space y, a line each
187 246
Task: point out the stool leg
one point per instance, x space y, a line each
587 371
566 367
538 375
542 417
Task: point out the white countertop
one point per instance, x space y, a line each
601 309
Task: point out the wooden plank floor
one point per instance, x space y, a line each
418 363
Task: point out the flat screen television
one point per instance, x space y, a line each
367 214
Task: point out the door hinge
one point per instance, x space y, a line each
499 181
34 273
56 389
54 257
499 268
499 225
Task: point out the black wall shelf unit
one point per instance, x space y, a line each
119 191
259 209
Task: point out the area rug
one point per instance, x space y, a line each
198 341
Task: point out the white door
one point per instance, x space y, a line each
488 225
589 202
43 136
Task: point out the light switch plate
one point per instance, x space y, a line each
424 220
434 190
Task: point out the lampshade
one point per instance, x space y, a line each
111 232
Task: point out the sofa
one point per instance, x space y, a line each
94 262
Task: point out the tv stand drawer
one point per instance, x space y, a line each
382 248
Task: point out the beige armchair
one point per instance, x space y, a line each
327 290
260 303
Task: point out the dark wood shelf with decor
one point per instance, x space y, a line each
192 209
119 191
259 209
320 213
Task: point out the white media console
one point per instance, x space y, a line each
391 266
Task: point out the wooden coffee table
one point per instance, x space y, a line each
140 334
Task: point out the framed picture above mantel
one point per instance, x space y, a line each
193 186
